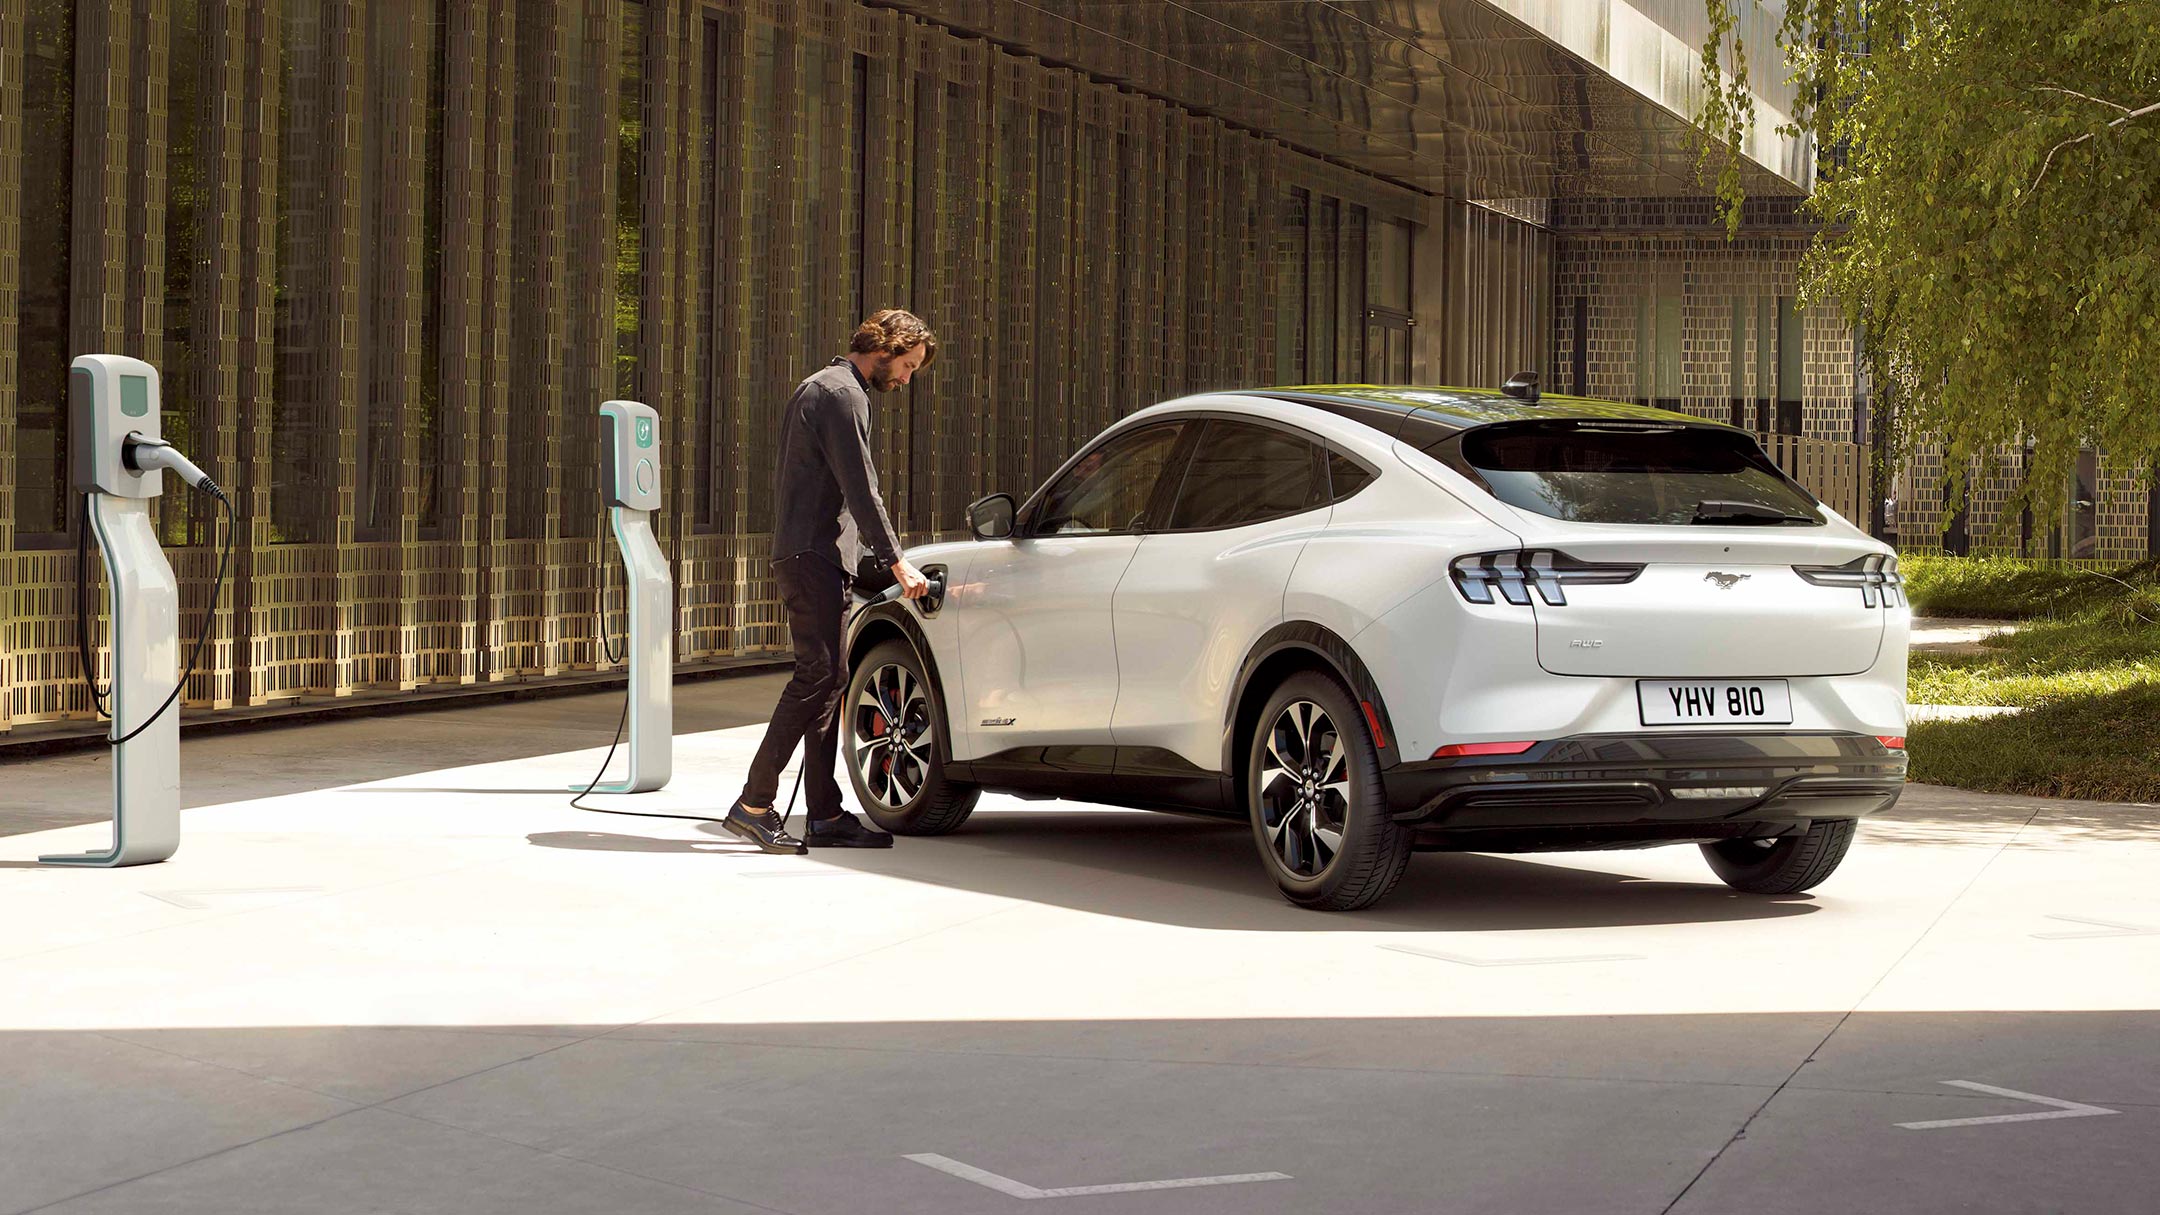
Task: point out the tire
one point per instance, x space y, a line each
903 789
1787 864
1310 725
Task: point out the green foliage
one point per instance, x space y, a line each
2085 667
1990 189
2105 747
2049 661
2007 588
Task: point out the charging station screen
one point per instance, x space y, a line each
135 396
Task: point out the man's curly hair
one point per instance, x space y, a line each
894 331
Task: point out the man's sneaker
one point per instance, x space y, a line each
766 829
842 831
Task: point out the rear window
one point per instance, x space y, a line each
1617 473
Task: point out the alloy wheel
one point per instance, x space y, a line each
890 735
1304 789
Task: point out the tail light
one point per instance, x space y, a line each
1895 742
1875 574
1514 573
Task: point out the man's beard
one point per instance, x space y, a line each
882 380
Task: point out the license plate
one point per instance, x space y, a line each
1703 702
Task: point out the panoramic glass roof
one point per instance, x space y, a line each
1389 408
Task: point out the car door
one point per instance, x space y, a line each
1040 661
1203 588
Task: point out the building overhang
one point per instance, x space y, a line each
1470 99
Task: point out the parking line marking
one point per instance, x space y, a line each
2108 928
1467 960
2063 1109
1021 1189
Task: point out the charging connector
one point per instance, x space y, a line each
140 453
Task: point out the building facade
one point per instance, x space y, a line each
391 255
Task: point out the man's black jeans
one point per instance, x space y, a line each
814 592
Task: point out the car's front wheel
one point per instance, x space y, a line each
1319 814
888 726
1784 864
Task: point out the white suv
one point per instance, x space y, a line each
1379 620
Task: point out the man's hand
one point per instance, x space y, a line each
912 583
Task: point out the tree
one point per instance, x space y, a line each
1989 189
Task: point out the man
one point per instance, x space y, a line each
826 511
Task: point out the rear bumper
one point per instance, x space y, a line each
1652 786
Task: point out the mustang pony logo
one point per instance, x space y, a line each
1725 582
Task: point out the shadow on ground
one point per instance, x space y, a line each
1196 873
1693 1114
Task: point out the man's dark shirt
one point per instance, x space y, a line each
825 492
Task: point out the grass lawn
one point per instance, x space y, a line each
2085 666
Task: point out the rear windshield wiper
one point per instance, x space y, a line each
1744 514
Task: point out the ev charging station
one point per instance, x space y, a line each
630 485
116 456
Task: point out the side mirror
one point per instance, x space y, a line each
992 518
1522 386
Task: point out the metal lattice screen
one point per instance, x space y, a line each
391 258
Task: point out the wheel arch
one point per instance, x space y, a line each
890 622
1293 646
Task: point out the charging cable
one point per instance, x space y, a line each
889 594
142 454
886 596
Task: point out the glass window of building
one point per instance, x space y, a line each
1350 293
1290 253
1738 358
1645 347
1766 334
1790 386
1325 232
1391 266
1666 385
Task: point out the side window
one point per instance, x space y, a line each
1346 475
1244 474
1109 490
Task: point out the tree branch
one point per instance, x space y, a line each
2127 116
2049 88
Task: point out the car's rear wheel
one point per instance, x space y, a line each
888 725
1319 814
1785 864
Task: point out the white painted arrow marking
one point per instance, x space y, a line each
1020 1189
1467 960
2063 1109
2108 928
192 900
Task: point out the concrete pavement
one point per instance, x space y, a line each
441 989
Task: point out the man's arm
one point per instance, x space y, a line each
843 430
